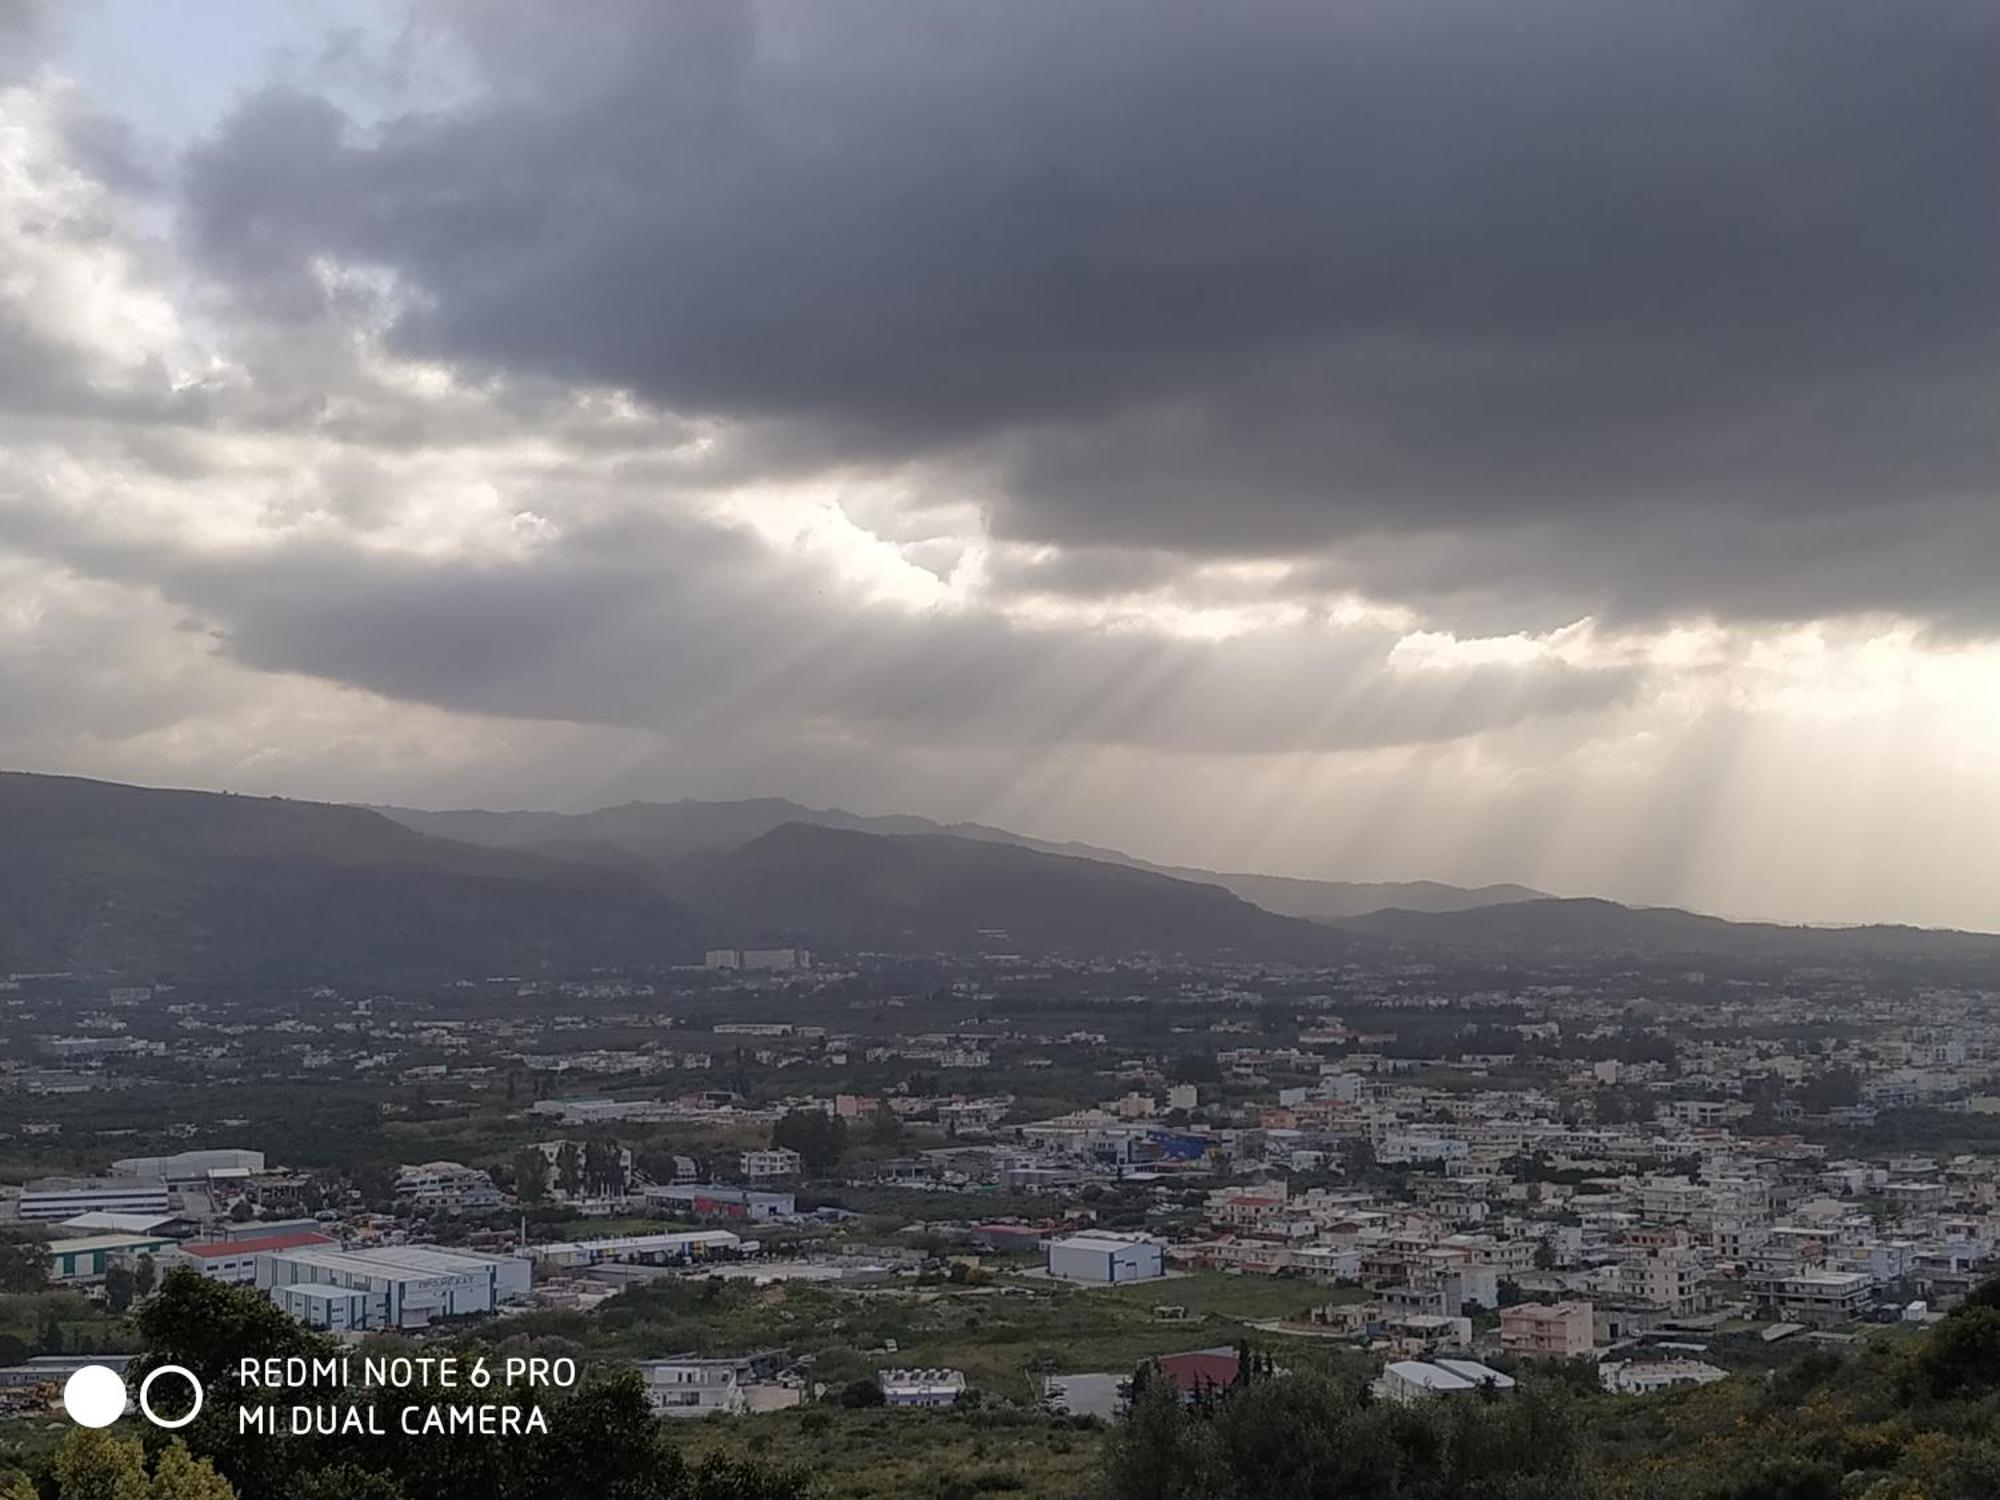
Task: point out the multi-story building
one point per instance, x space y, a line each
1816 1297
58 1198
687 1386
1561 1330
775 1161
447 1184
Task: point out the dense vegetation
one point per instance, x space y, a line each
1892 1418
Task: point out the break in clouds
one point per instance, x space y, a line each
1547 441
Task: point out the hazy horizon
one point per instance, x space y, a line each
1409 442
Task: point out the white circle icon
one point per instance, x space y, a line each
146 1389
94 1396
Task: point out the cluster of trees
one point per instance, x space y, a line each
99 1466
24 1264
1306 1436
1889 1419
595 1169
602 1439
817 1136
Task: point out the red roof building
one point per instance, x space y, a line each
1201 1370
235 1261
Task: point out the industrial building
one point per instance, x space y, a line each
234 1261
640 1249
1102 1259
709 1201
399 1286
87 1259
58 1198
190 1168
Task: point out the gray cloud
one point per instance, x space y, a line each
1416 282
656 624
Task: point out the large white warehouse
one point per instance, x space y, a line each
397 1286
1103 1259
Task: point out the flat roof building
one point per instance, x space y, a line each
396 1286
87 1259
1106 1259
189 1168
1413 1380
58 1198
234 1262
1560 1330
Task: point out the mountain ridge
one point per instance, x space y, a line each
667 832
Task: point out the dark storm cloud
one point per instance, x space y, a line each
1240 279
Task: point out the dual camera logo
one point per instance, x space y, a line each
95 1396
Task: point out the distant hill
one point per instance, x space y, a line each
172 884
806 884
1585 928
670 835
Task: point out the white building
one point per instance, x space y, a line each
691 1387
777 1161
1645 1377
189 1168
398 1286
446 1184
1413 1380
65 1198
686 1385
641 1249
234 1262
762 960
920 1387
1102 1259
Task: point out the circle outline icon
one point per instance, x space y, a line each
146 1385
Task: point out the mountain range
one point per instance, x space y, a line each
104 878
676 840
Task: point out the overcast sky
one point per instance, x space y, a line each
1551 441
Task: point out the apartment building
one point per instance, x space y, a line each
1560 1330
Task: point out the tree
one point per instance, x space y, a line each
347 1482
119 1287
1197 1067
50 1339
178 1475
604 1167
569 1169
1276 1438
531 1174
817 1136
146 1276
861 1393
94 1465
14 1485
24 1265
602 1440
